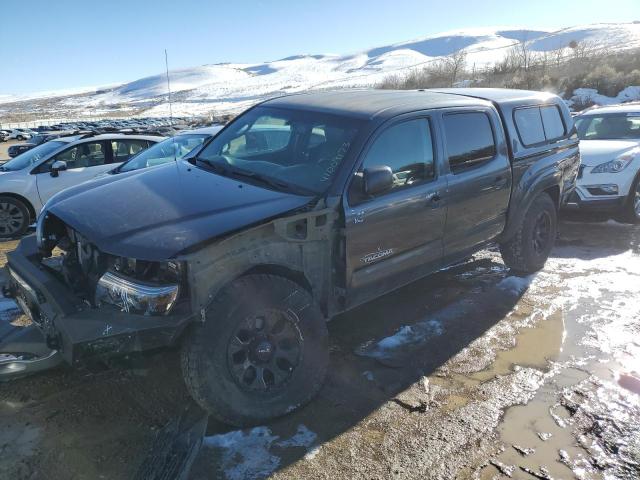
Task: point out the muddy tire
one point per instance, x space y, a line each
14 217
262 352
527 251
631 210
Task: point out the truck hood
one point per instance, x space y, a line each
155 214
595 152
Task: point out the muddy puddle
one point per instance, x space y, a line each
585 347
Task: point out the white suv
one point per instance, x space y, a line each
609 179
31 178
20 134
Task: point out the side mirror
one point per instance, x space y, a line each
57 167
377 179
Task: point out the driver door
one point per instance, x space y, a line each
396 236
84 161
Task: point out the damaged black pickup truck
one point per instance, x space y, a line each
301 208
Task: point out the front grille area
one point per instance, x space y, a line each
80 264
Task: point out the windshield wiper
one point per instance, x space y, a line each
227 170
217 167
270 181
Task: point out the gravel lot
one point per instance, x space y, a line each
470 373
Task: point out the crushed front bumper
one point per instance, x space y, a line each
74 328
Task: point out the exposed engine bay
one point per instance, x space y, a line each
82 266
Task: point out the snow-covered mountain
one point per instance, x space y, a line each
231 87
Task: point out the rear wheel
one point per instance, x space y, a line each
262 352
527 251
20 137
14 217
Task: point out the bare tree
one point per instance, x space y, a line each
559 55
582 49
456 63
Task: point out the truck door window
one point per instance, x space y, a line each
469 138
529 124
552 122
406 148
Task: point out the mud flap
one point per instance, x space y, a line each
176 447
23 351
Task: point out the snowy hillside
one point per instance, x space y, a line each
233 86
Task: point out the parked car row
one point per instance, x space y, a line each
301 208
165 125
139 123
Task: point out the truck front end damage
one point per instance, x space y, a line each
88 303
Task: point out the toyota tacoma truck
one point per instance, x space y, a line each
302 208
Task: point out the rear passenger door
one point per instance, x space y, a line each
393 237
479 178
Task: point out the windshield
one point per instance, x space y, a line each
33 156
301 149
166 151
617 126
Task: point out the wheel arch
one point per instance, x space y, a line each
554 193
296 276
27 203
548 184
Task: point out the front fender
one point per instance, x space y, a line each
299 244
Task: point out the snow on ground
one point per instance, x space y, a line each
252 453
392 349
585 96
231 87
407 336
613 294
5 98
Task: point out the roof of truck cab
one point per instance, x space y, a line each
500 95
372 103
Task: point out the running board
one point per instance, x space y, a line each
23 351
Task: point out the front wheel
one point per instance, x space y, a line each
262 352
19 137
527 251
14 217
631 212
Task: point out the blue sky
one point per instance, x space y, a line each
55 44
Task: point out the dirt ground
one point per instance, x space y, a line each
470 373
